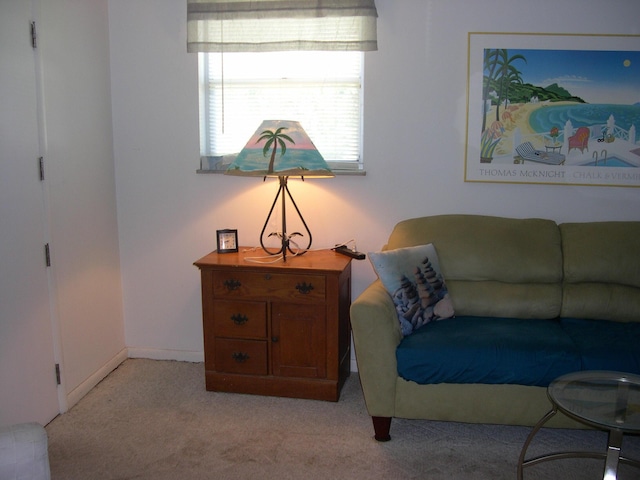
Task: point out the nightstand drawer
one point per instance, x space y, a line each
269 285
239 319
248 357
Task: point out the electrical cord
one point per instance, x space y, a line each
268 259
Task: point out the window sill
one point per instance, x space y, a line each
337 173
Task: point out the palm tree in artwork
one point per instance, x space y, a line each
491 57
507 74
274 138
499 73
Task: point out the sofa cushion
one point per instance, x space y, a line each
494 267
601 270
488 350
605 345
413 278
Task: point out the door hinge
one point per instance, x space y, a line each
41 168
33 35
47 255
58 381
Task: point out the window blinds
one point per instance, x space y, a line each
280 25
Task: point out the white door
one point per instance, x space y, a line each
28 389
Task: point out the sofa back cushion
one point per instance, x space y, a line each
493 266
601 270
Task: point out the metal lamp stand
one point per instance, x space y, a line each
285 237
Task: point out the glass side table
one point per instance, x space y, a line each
605 400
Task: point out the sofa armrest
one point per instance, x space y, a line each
376 334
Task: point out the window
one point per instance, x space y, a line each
320 89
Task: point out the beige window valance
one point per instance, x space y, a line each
278 25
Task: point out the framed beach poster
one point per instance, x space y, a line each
553 109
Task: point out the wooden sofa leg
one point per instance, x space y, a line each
381 426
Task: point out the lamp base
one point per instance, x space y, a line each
285 237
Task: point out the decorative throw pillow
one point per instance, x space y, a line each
413 278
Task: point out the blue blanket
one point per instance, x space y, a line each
605 345
515 351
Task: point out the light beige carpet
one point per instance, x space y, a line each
154 420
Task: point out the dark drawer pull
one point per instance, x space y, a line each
240 357
304 288
232 285
239 319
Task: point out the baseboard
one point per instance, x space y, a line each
81 390
161 354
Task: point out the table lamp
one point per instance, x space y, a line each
281 148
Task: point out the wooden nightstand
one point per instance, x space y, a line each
277 328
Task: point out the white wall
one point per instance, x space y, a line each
415 114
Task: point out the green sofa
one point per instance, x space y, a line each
496 267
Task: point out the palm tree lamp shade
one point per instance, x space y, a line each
281 148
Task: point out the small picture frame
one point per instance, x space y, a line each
227 240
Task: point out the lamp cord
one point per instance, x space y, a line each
267 259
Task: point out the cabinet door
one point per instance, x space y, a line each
299 341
